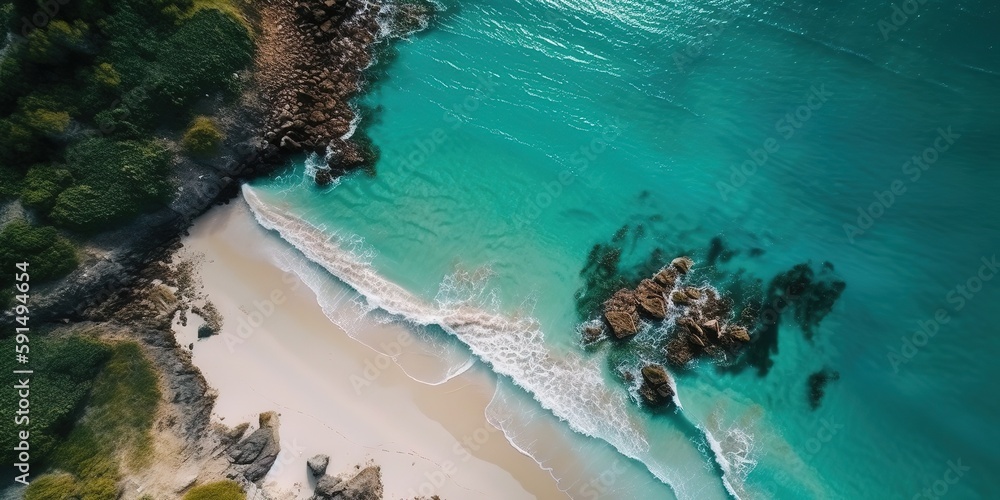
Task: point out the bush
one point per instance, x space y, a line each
117 179
202 137
220 490
41 186
50 256
55 43
201 57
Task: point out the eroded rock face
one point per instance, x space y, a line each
656 387
622 313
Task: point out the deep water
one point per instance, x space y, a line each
773 142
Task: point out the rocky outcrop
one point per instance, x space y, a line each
656 387
317 465
365 485
621 312
651 298
315 67
253 456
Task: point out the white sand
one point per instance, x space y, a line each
429 440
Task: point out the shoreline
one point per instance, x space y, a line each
301 365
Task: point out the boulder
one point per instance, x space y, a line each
324 177
253 456
365 485
679 352
737 332
650 297
621 313
205 331
682 264
711 329
317 465
679 298
656 388
666 277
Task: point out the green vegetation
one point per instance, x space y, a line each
82 95
64 373
50 256
202 137
116 423
221 490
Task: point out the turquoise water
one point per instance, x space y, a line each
516 135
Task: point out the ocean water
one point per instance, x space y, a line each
516 135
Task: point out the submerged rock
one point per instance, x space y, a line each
621 313
324 177
656 388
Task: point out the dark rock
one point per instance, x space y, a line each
666 277
656 388
621 313
592 332
317 465
324 177
205 331
679 298
711 329
253 456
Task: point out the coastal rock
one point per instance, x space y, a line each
324 177
711 329
621 313
682 264
679 352
679 298
592 332
317 465
650 297
656 388
205 331
365 485
666 278
739 333
253 456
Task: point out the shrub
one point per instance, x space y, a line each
106 75
202 137
50 255
54 43
220 490
41 186
201 57
118 179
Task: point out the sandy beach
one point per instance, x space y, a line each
336 396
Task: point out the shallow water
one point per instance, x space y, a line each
516 135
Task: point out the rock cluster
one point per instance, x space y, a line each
656 389
622 310
317 465
253 456
314 67
365 485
